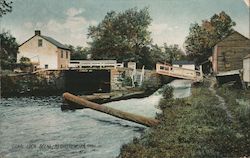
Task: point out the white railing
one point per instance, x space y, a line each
94 63
179 72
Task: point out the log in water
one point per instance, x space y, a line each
111 111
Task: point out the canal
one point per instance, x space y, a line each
36 126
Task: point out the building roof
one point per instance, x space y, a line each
51 40
183 62
55 42
234 32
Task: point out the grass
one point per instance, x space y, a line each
196 127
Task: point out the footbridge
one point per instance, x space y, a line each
179 72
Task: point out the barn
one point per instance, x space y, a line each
228 56
229 53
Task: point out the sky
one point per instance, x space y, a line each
68 20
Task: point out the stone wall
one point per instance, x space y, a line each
50 82
115 82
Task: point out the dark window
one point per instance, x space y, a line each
67 53
61 66
61 53
46 66
40 43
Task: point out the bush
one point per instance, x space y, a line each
127 81
167 92
148 86
25 61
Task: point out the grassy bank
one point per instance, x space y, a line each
196 127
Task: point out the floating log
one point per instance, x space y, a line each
111 111
96 97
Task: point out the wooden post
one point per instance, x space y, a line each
111 111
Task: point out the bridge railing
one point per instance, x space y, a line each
178 72
94 63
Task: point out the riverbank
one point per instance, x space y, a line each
56 82
44 83
198 126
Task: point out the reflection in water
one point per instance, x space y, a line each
36 126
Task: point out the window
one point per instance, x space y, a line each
46 66
67 55
61 53
40 42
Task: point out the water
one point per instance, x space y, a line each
36 127
182 88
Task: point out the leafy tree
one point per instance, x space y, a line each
157 55
202 38
165 54
9 50
25 60
24 63
5 7
173 52
78 53
123 36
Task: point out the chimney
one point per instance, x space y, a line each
37 32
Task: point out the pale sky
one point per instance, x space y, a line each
68 20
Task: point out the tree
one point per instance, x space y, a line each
25 61
5 7
165 54
78 53
173 52
202 38
9 50
123 36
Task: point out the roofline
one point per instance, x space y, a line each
44 39
230 35
27 40
183 63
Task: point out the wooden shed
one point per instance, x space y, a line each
246 69
228 54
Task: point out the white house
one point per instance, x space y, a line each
44 52
184 64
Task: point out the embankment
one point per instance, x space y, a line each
42 83
197 126
55 82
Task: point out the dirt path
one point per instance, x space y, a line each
221 100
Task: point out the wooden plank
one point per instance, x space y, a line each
111 111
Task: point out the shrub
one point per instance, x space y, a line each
149 86
167 92
127 81
25 61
